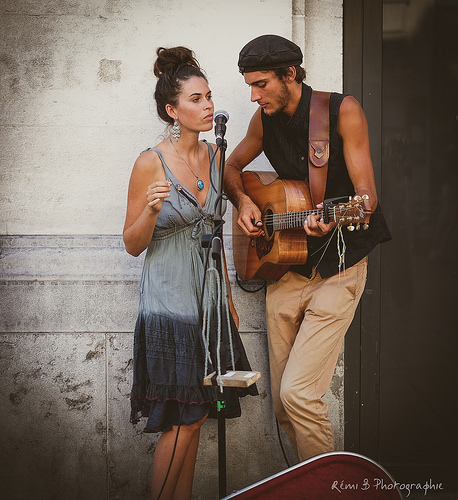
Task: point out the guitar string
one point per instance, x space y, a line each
293 215
343 209
300 214
295 219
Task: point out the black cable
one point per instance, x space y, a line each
173 454
281 444
248 290
211 161
264 286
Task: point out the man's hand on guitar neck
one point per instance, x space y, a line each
314 226
249 220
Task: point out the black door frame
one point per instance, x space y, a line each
362 77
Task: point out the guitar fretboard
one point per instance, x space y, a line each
290 220
344 214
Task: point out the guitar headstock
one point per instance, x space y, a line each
348 213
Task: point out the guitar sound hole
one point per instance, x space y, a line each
268 223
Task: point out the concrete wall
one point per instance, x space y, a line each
76 86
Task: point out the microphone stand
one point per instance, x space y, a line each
217 248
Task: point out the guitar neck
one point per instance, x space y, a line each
291 220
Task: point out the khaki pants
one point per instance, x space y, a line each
306 323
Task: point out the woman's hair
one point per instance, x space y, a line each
172 67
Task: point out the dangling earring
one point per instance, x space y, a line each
176 130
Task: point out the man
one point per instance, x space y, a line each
311 307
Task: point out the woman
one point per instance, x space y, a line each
170 205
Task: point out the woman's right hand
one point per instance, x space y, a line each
147 184
156 193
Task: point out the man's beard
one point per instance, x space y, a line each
282 100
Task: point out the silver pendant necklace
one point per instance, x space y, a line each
199 182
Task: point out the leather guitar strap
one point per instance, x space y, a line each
318 145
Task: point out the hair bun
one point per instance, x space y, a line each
168 60
173 67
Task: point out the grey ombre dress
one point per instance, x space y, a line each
169 351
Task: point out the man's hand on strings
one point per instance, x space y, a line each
314 226
249 220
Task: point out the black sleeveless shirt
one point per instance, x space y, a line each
285 143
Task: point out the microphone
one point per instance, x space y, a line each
221 118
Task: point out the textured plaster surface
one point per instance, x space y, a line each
76 88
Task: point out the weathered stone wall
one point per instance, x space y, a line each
68 308
76 86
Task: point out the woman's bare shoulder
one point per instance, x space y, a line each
148 164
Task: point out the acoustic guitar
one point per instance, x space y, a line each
337 475
284 205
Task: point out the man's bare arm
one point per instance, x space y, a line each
352 127
247 150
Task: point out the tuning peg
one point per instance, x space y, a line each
351 227
365 196
357 198
358 226
366 226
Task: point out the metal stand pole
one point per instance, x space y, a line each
222 481
217 255
217 250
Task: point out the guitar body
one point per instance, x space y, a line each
337 475
269 257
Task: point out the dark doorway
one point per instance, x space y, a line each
401 377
